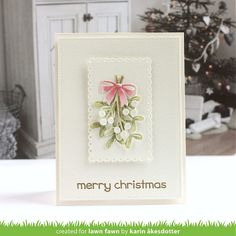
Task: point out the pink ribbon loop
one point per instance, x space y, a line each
122 90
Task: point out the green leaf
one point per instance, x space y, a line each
121 141
138 118
128 142
126 118
99 104
95 125
110 141
102 131
118 138
133 127
137 136
135 98
106 108
108 132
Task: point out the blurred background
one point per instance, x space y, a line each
27 65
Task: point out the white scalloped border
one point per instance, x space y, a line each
115 157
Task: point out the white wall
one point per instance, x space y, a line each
2 62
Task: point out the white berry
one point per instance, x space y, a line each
127 126
110 120
125 112
134 103
117 130
124 134
103 122
101 113
133 113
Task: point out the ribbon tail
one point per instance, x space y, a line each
111 95
123 97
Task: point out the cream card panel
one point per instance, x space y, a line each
78 178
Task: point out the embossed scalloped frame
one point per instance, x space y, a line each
117 156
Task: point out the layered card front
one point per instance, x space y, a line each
120 119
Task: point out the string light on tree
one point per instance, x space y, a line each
228 87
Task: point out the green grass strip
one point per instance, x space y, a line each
109 228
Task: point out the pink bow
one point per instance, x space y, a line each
123 90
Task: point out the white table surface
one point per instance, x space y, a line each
27 192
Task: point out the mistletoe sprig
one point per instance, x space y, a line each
118 114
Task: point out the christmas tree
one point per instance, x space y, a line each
204 32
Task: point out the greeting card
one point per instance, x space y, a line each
120 118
